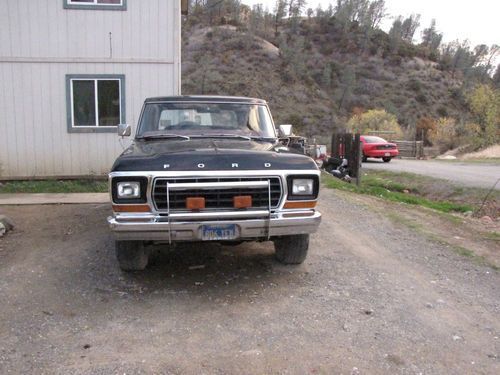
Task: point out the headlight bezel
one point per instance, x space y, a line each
143 184
303 197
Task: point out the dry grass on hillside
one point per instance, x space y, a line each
227 60
492 152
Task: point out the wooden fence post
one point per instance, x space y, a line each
349 146
357 156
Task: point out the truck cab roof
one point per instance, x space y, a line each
206 99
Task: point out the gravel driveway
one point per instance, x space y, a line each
372 298
468 174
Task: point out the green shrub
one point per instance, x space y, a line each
442 111
375 120
422 98
414 85
484 103
444 135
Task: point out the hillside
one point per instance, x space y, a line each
316 76
224 61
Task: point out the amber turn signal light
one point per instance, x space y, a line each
195 203
131 208
242 201
300 204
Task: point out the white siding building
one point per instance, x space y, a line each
71 70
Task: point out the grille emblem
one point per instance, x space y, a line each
165 166
234 165
267 165
201 165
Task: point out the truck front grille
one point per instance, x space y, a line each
215 198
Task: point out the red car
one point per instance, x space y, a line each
376 147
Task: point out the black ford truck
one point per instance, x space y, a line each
211 168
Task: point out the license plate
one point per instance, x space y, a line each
218 232
387 154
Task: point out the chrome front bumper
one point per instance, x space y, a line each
152 227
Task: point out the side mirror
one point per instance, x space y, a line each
124 130
285 130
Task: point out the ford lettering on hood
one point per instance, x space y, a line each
212 153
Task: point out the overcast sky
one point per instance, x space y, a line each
475 20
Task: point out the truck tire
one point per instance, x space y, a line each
386 160
131 255
291 249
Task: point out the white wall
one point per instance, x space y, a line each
39 46
44 28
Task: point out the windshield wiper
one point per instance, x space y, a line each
236 136
164 136
267 139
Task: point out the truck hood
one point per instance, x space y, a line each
209 154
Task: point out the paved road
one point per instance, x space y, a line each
468 174
373 297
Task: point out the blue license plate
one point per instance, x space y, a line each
218 232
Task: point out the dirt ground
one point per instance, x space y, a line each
378 294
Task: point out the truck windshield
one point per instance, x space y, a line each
206 119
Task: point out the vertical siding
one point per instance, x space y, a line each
34 95
39 46
43 28
7 152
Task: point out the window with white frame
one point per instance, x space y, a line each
95 102
95 4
